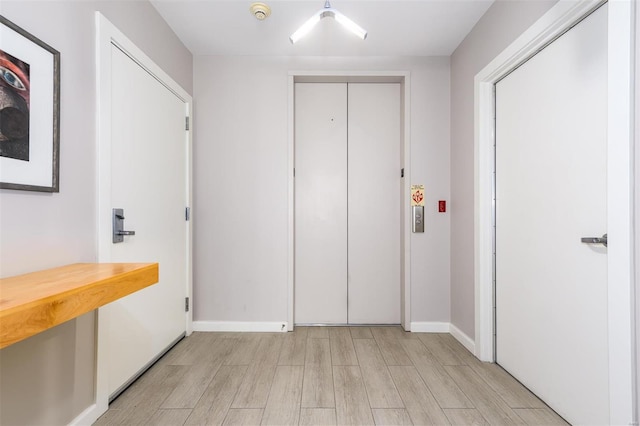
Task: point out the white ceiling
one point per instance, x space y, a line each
395 27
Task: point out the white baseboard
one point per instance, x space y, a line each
444 327
430 327
240 326
88 416
465 340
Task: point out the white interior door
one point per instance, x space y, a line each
347 203
374 203
149 181
551 289
321 203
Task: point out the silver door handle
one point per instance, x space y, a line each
595 240
118 226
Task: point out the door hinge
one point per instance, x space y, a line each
186 123
402 172
294 172
186 304
187 213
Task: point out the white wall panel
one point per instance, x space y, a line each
240 161
48 378
501 25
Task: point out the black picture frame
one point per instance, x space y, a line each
41 169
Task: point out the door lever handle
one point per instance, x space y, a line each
118 226
595 240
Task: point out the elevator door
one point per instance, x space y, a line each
347 203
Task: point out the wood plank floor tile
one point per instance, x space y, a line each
191 386
391 417
169 417
484 398
243 417
244 350
442 386
392 331
387 332
317 417
512 391
387 339
443 353
392 352
289 378
294 347
459 349
377 379
196 348
540 416
112 416
184 346
254 390
360 333
352 405
317 388
318 333
283 404
465 417
152 389
212 407
342 351
420 403
134 415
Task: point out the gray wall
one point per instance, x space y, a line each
48 379
500 26
240 160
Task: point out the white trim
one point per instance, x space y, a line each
402 77
430 327
406 202
241 326
465 340
620 174
88 416
553 23
444 327
291 252
620 210
106 36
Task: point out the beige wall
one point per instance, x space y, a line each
502 24
48 379
240 169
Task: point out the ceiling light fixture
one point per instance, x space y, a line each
323 13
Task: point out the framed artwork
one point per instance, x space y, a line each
29 111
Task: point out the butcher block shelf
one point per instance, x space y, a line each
34 302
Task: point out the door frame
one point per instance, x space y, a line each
620 174
402 77
107 35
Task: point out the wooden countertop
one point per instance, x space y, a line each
34 302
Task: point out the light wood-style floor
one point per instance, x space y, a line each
326 376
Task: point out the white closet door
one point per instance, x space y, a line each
321 203
551 157
374 203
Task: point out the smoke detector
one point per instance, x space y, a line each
260 10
